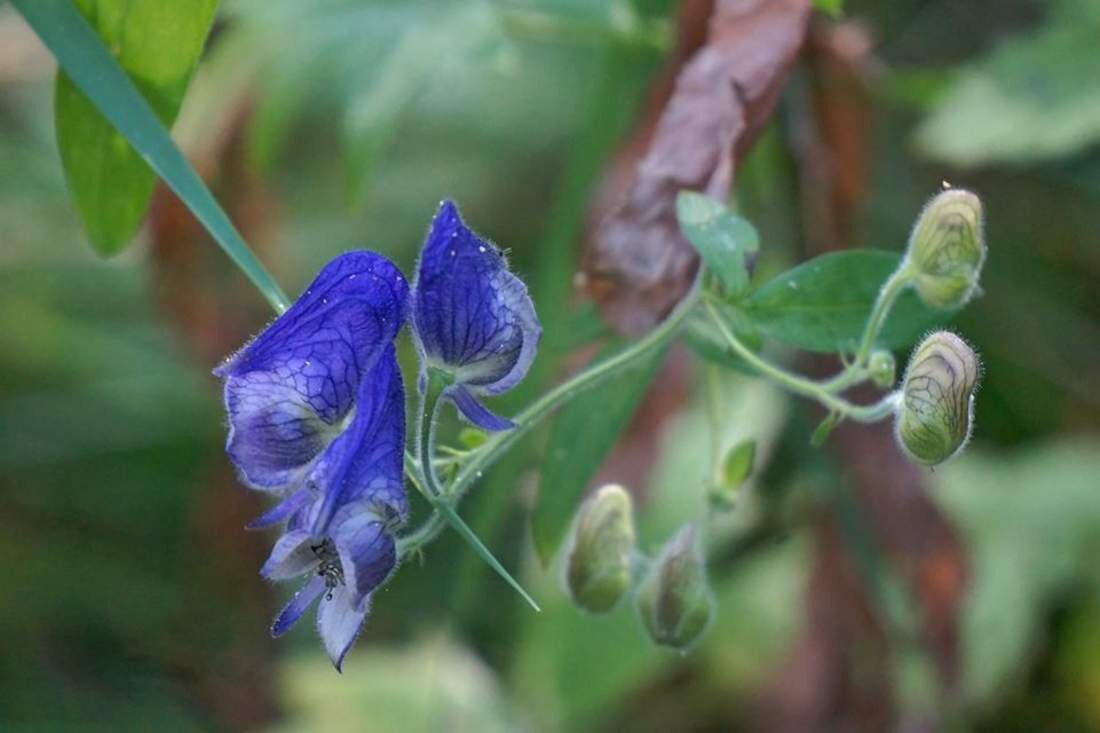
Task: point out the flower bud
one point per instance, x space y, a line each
675 600
601 549
947 248
936 409
882 369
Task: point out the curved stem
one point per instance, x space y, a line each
425 429
799 384
891 289
525 421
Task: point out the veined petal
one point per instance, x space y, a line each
477 413
288 390
366 462
339 621
291 556
368 553
472 316
298 605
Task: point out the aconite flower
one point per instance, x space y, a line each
317 418
473 320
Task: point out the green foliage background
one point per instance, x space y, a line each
360 117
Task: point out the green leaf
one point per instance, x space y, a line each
738 464
93 70
582 435
823 304
722 239
158 43
824 429
1033 98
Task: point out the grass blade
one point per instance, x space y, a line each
90 66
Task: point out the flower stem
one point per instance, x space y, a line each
891 289
426 480
800 385
497 444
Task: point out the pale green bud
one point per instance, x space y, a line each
675 600
598 569
882 368
947 249
937 404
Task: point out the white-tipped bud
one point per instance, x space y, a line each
598 569
947 249
935 414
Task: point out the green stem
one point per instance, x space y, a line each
427 482
425 432
801 385
891 289
497 444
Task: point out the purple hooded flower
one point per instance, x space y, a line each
317 416
472 318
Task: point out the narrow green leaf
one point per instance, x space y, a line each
824 429
722 239
582 435
464 531
823 304
93 70
158 43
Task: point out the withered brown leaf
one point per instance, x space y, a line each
637 264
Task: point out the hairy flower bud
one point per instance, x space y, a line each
936 410
882 368
675 600
601 549
947 248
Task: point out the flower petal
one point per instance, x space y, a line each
368 553
287 390
291 556
282 511
339 621
471 315
366 462
477 413
298 605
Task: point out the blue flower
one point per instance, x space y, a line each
317 416
472 318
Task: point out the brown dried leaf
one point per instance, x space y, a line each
638 265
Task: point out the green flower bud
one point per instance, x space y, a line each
882 368
947 248
599 560
675 600
936 409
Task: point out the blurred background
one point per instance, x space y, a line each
854 592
